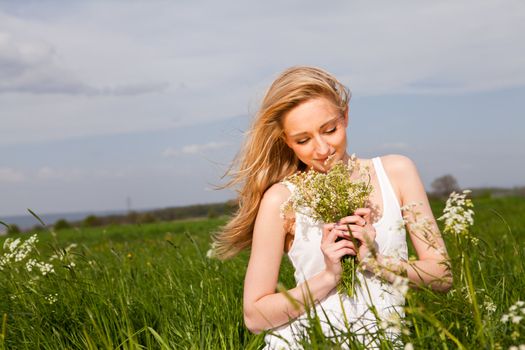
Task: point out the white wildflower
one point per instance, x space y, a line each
32 240
71 246
489 305
458 215
51 298
409 346
513 313
45 268
12 245
30 264
400 284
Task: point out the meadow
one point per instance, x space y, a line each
152 286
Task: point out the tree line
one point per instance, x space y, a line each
441 187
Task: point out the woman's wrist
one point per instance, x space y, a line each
331 278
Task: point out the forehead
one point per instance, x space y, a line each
310 115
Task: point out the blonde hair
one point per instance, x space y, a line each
265 159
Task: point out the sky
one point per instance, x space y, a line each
108 105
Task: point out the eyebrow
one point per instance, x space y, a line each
322 126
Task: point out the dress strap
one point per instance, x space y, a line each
390 200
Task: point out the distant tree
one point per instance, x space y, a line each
212 213
37 228
61 224
146 218
92 221
13 229
132 217
444 185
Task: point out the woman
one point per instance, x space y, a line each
302 124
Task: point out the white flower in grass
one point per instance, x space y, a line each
3 262
458 215
11 245
51 298
513 315
45 268
409 346
520 347
489 305
210 254
400 284
30 264
71 246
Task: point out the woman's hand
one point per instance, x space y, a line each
360 228
334 248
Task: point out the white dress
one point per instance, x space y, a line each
307 259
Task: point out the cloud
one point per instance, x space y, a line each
30 66
205 61
193 149
48 173
10 175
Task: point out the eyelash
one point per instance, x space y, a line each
331 131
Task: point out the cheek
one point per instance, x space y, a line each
340 139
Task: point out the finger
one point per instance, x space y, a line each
336 255
349 227
364 213
353 219
343 244
327 228
345 251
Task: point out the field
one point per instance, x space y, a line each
152 286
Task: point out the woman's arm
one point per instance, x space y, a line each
432 265
264 308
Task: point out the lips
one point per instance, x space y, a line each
322 160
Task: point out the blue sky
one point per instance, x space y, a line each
101 101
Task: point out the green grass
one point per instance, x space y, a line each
152 286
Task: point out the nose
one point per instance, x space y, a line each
322 148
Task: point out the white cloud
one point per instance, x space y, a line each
31 66
48 173
203 61
10 175
193 149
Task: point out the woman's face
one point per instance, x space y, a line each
316 130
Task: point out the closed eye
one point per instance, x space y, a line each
302 142
331 131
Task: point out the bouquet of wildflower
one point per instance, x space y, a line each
330 196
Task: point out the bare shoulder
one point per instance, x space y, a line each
276 195
398 165
403 176
269 232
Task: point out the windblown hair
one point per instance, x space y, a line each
265 158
